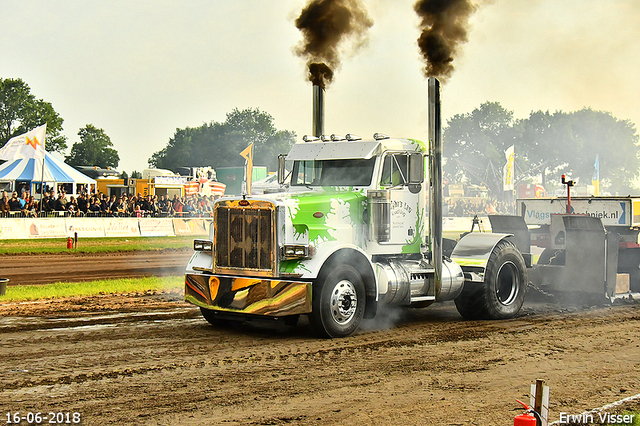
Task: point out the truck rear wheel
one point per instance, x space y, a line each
504 289
338 301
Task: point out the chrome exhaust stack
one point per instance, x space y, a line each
435 181
318 110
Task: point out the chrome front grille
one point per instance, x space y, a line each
244 238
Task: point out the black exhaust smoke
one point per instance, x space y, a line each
326 25
444 27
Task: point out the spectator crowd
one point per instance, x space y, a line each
99 205
469 207
125 205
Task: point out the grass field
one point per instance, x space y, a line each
94 245
90 288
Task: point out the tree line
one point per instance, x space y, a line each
546 144
21 111
212 144
218 144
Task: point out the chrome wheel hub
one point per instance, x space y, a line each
343 302
508 284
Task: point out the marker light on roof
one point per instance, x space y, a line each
380 136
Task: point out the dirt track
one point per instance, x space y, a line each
72 267
150 359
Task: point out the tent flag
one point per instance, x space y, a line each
507 172
595 180
26 145
248 155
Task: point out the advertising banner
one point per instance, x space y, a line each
612 211
45 228
12 229
190 227
121 227
85 227
156 227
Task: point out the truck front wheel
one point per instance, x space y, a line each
213 319
338 301
504 289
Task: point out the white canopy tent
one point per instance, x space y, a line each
28 171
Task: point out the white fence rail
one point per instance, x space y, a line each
26 228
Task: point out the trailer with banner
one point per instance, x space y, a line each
589 244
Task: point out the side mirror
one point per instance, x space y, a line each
281 170
416 168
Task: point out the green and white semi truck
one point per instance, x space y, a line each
358 229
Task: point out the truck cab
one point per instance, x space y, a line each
358 229
349 236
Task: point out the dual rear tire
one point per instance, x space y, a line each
504 289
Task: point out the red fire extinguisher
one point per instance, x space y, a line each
69 243
525 419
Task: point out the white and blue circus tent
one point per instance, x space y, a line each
29 171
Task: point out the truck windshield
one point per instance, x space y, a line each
353 172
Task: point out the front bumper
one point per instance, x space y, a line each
253 296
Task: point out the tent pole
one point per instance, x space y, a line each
42 184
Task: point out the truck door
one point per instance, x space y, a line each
404 205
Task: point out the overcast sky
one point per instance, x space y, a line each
141 69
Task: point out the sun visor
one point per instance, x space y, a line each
333 150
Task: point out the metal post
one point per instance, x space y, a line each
538 400
435 174
569 184
318 111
